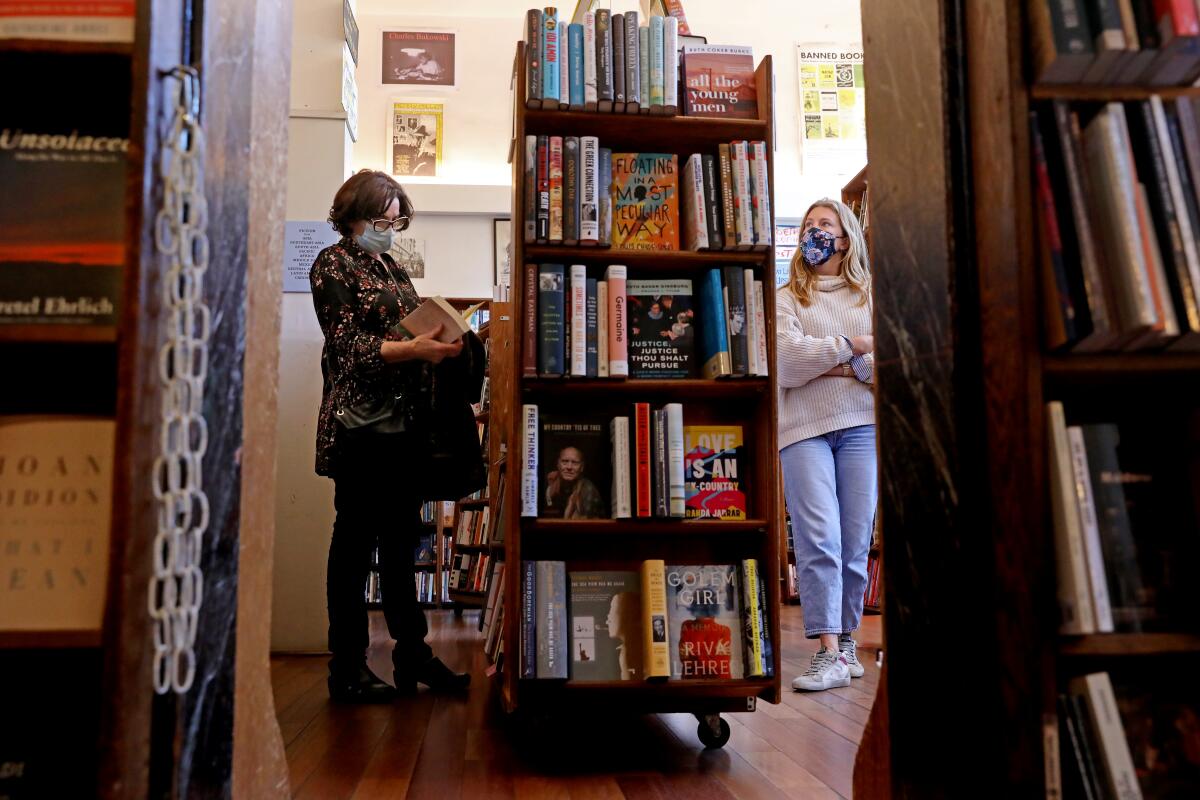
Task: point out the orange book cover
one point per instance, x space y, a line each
645 191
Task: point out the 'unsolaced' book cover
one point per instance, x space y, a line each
645 192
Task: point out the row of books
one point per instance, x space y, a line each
614 327
473 526
579 193
1133 42
493 614
872 594
1118 198
690 622
424 582
469 572
1123 524
426 550
648 464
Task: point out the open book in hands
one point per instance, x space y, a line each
433 312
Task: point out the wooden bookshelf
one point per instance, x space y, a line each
1114 645
1106 94
750 402
73 334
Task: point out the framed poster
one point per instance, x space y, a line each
787 239
409 255
414 139
833 130
501 251
418 58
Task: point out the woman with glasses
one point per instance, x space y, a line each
360 294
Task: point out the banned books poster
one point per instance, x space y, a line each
832 102
414 138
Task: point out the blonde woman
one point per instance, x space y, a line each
827 433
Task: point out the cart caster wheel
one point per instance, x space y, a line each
713 732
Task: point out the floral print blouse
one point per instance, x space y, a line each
358 301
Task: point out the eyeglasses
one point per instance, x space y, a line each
398 224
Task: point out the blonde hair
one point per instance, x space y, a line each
855 265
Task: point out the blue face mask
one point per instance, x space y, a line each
818 246
375 242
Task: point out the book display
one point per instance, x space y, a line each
641 407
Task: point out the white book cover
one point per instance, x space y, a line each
1116 761
602 329
1074 596
622 494
762 195
529 462
618 340
1158 288
695 219
589 195
753 367
1097 578
564 69
578 319
644 67
1174 168
589 62
743 211
670 65
1138 273
760 315
675 473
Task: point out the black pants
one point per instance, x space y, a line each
373 511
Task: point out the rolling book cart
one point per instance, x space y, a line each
747 401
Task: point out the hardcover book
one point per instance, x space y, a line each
713 458
645 192
551 320
576 469
662 337
719 81
657 650
552 658
716 360
704 610
606 626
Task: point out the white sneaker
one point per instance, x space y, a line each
828 670
849 650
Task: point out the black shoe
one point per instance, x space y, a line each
436 675
361 687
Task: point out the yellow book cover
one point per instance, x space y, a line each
654 624
645 192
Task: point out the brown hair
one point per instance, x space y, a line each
366 195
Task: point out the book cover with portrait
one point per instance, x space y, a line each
575 465
606 626
661 325
704 610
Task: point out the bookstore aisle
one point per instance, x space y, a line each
437 747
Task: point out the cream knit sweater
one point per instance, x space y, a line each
809 343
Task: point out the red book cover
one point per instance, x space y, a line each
556 189
719 82
543 188
1176 18
642 499
529 345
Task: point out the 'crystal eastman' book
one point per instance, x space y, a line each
645 192
705 613
713 488
606 626
662 334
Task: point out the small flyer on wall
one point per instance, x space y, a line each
418 58
414 139
833 130
787 239
79 21
302 242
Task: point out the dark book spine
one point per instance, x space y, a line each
1090 745
633 64
712 203
728 218
529 345
531 189
529 619
533 58
604 60
551 320
543 184
1048 226
1190 310
661 490
764 623
593 339
571 190
735 318
1072 33
1071 761
642 461
617 25
606 197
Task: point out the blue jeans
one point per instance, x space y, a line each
830 485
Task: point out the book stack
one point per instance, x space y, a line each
473 527
426 590
493 614
645 465
687 622
1096 759
1117 188
872 594
579 193
610 326
469 572
602 62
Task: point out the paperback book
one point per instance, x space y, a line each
713 456
645 188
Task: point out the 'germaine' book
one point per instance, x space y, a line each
617 328
662 336
705 613
719 81
645 201
606 626
713 460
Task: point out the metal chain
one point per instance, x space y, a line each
180 234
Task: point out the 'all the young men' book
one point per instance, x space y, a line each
704 609
662 336
713 486
719 81
645 189
606 626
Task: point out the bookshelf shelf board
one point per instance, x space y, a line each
648 695
649 134
38 640
686 388
425 564
66 47
642 527
478 548
471 596
1130 644
85 334
1115 366
478 502
654 260
871 610
1103 94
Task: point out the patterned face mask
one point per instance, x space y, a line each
818 246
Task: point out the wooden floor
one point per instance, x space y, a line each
443 748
